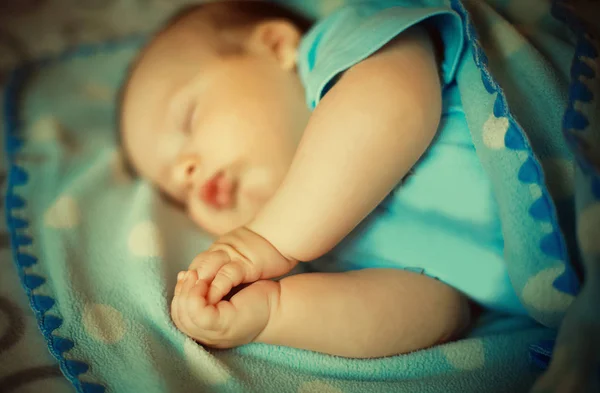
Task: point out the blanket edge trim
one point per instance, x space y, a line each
41 305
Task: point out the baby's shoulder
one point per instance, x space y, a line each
354 32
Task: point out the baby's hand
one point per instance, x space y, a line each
239 257
227 323
222 269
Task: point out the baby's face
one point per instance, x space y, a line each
217 134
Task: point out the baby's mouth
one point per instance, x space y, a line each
218 191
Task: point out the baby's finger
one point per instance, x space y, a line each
229 276
187 281
176 298
179 281
183 309
208 264
174 310
201 314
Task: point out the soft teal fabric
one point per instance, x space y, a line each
356 31
443 219
98 252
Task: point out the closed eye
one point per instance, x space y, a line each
190 118
186 124
183 116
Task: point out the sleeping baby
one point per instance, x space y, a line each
291 142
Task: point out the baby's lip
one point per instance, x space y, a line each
218 191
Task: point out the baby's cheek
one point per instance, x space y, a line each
259 185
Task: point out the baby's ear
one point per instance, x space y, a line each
278 38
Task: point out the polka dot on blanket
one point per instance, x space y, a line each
466 354
63 214
103 323
145 240
546 298
45 128
494 131
317 386
535 190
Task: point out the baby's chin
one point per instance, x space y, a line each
218 222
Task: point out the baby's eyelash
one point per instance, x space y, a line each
183 113
191 118
187 123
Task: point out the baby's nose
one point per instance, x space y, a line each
185 170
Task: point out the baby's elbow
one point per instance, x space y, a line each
314 248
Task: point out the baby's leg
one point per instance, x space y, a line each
364 313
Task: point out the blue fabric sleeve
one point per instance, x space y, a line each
355 32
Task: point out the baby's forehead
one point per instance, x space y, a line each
172 56
175 44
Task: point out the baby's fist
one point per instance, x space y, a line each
239 257
223 269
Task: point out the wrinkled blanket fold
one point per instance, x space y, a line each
98 251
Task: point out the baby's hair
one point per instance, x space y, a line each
224 14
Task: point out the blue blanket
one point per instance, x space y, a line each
98 252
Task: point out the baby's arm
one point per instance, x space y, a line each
364 314
361 314
363 137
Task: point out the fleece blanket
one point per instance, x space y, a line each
97 252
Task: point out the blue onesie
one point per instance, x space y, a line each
442 220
